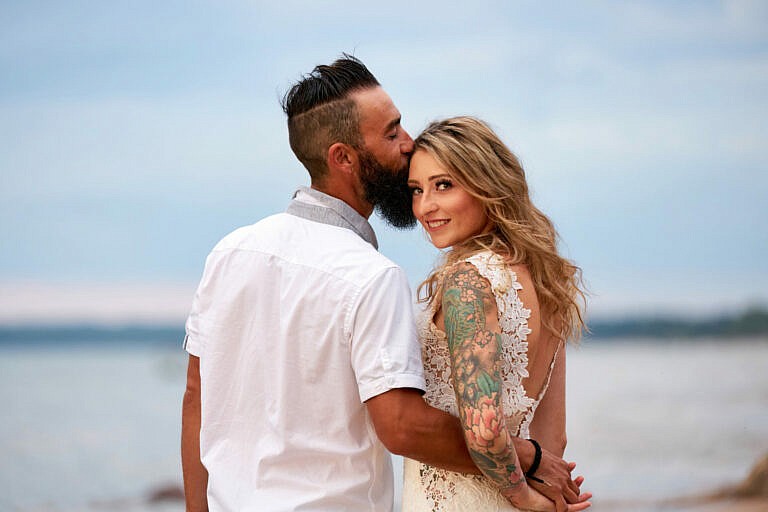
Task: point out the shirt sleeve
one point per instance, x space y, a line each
384 347
199 315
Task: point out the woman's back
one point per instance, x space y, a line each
527 360
542 344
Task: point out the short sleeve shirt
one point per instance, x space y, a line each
297 321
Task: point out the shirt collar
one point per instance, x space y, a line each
317 206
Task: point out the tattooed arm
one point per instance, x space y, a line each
474 341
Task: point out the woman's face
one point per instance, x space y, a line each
448 213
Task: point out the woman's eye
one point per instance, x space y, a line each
443 185
415 191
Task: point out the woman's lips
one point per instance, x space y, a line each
436 224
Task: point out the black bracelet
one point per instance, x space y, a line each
536 461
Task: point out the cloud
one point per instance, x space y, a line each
76 148
135 135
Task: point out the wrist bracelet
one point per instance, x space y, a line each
536 461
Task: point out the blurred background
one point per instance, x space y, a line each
134 135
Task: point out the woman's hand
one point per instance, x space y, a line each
527 498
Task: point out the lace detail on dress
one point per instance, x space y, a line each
437 364
427 488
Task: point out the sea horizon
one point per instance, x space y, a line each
750 322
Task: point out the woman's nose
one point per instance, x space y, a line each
424 205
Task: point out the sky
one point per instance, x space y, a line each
134 135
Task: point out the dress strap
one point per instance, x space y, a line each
544 388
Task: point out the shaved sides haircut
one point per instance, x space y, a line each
321 113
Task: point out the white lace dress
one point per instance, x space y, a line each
427 488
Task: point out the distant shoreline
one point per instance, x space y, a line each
55 334
751 323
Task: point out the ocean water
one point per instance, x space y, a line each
651 421
97 427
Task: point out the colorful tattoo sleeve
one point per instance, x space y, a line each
476 368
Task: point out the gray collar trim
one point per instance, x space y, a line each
332 211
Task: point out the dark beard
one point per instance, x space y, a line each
387 190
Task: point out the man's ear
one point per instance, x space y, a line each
342 157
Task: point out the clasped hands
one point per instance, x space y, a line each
556 491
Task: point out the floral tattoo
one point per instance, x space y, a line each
476 368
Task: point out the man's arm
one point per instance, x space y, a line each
409 427
195 474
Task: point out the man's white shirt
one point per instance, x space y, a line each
297 323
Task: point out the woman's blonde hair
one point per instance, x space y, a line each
479 162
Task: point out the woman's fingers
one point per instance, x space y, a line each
576 507
582 504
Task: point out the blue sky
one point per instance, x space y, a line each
133 135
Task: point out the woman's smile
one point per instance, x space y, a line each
446 211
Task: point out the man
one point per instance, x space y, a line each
303 359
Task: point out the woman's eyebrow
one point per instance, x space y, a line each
431 178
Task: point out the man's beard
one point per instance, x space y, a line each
387 190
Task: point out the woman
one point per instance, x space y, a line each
500 309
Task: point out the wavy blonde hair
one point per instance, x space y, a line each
480 163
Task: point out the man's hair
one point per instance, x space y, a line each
320 112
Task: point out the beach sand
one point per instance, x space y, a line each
743 505
727 505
